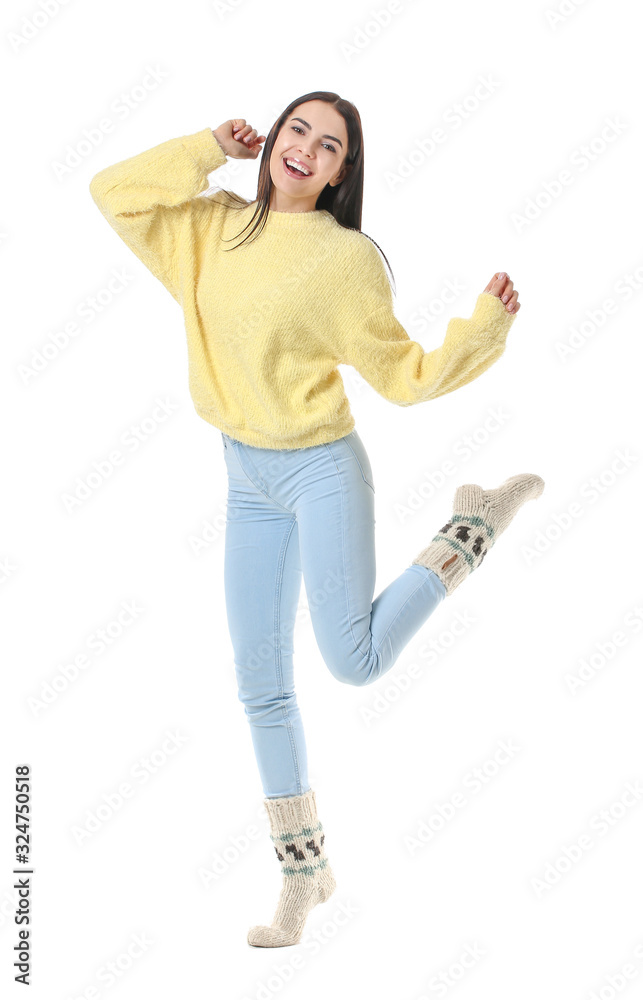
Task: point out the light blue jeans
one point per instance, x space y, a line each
308 511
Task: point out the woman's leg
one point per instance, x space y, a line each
262 578
262 586
360 638
329 489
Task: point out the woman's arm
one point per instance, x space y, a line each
147 198
404 373
367 335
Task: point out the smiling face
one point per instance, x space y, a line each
313 136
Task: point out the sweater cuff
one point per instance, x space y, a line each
205 150
491 314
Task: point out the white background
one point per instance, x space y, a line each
495 878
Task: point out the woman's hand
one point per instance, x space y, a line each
238 139
501 286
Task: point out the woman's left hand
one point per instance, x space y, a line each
502 286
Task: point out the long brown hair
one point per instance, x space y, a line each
344 200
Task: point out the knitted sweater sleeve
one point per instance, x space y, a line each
147 198
376 344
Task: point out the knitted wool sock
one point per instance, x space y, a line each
479 517
298 838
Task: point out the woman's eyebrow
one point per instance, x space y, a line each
333 137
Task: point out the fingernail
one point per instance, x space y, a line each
502 274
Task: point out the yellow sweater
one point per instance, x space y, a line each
268 323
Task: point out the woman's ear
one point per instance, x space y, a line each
341 175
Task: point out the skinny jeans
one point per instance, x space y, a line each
308 512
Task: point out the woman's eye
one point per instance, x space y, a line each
296 128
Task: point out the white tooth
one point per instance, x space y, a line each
296 166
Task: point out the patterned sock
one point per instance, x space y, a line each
298 838
479 518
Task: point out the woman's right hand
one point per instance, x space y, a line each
502 286
238 139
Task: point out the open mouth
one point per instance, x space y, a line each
292 171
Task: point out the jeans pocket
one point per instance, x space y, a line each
248 467
360 454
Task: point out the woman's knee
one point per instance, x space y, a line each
268 708
355 670
263 694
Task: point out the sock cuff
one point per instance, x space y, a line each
291 813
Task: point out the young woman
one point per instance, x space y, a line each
268 320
